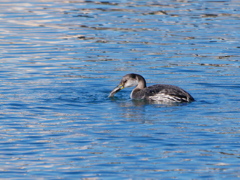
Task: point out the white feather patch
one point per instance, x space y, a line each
165 98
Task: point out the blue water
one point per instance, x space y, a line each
60 60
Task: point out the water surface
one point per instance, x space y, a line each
59 61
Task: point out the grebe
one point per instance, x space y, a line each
160 92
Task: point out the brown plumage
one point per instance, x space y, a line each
160 92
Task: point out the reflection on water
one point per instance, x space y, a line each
60 60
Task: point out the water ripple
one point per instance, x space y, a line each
60 60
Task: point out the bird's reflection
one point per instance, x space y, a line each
140 110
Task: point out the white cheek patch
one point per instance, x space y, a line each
131 83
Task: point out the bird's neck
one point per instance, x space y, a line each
141 82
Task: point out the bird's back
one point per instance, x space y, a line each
162 92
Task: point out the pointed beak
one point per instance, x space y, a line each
115 90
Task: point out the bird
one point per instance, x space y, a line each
162 93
